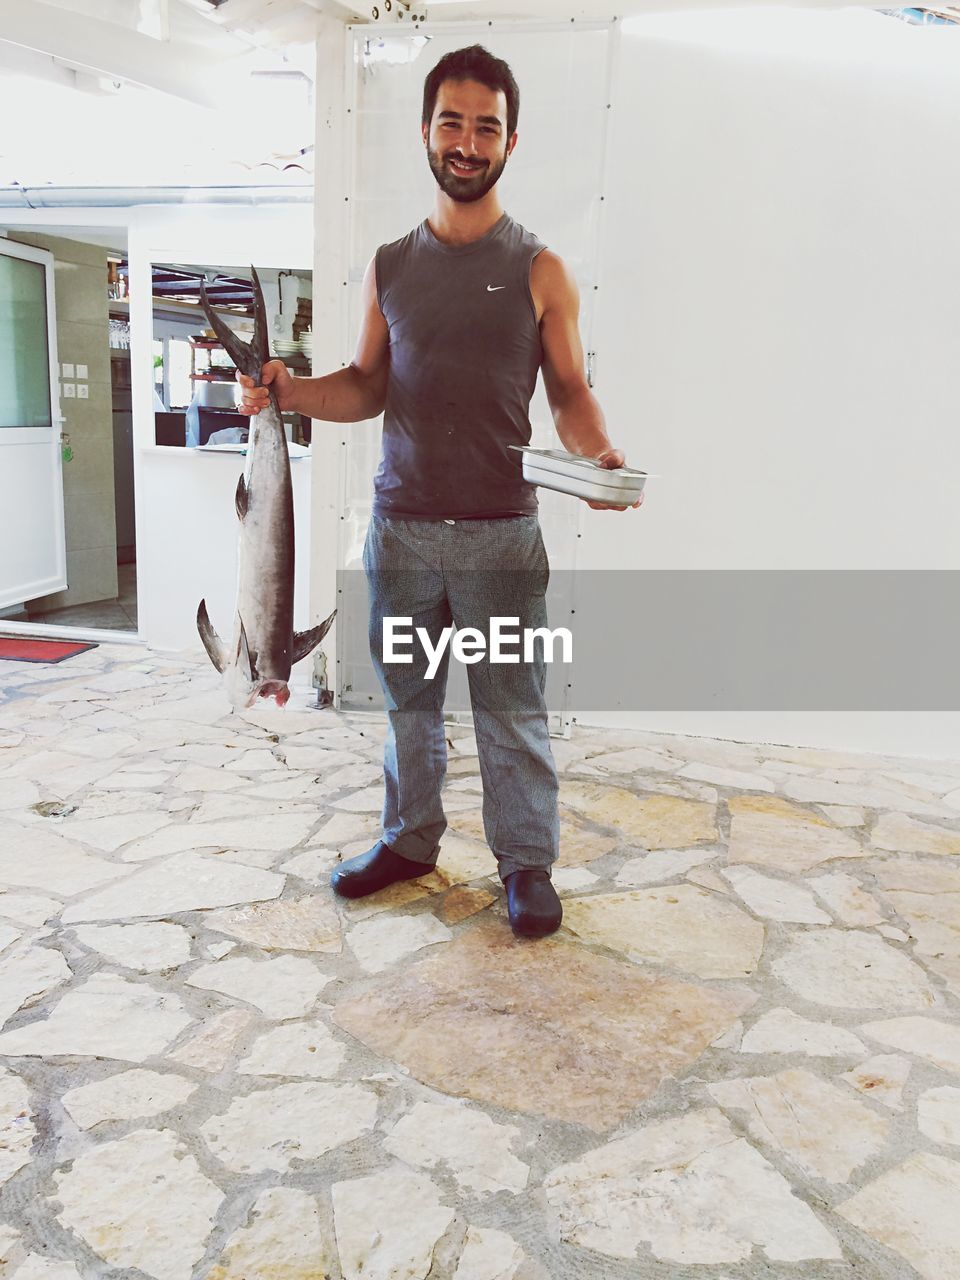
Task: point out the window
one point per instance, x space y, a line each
24 354
179 384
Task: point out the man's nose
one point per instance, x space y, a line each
468 143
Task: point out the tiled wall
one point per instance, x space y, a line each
88 492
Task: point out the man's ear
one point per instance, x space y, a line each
425 134
512 142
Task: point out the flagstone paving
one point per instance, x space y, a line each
739 1057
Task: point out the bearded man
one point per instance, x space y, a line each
458 319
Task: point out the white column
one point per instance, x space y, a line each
329 320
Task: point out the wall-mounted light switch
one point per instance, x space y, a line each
70 391
82 372
83 391
67 370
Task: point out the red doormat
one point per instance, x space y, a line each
12 650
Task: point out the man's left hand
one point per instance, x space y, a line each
611 459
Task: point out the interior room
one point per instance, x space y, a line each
195 381
97 443
243 1035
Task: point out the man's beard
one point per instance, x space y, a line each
464 190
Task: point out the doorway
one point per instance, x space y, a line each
91 381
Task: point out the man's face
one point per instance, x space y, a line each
467 143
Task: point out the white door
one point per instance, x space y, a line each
33 558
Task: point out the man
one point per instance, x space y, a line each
458 317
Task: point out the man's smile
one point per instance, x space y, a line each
465 168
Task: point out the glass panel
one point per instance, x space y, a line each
553 186
24 354
158 367
180 384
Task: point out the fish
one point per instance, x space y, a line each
265 646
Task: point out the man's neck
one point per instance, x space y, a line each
454 222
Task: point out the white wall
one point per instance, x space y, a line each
778 313
188 548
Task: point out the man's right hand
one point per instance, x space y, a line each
274 373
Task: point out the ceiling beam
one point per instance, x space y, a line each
106 49
361 11
284 29
344 10
578 10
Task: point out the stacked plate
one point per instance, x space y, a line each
294 346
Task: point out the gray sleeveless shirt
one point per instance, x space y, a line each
464 354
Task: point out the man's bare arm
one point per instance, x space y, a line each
576 412
352 394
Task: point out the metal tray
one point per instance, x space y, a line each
581 477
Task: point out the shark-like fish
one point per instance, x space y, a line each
265 646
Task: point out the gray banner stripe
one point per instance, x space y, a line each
797 640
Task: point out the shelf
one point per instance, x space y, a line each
177 310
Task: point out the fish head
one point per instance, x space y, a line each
276 689
245 685
244 692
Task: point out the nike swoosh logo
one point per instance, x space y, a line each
492 288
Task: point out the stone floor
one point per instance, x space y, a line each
739 1057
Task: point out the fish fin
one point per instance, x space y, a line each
211 641
243 498
248 667
305 641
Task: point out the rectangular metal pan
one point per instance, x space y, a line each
581 477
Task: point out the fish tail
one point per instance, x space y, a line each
249 357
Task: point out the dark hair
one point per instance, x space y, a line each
473 63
